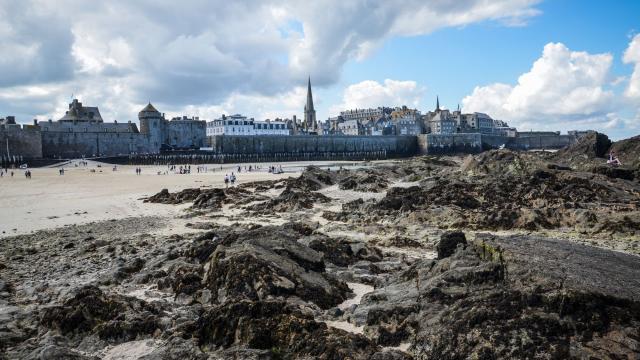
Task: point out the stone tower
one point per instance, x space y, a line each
151 124
310 124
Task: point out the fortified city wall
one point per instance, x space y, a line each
475 142
449 143
527 142
272 144
25 142
79 144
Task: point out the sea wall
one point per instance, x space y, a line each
75 144
24 142
393 146
449 143
528 142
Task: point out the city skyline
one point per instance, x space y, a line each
525 62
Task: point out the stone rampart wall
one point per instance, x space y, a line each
449 143
18 141
74 145
272 144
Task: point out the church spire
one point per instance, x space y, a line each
437 103
309 106
310 124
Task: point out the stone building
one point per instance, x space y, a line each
177 133
9 120
407 121
271 127
81 132
364 115
350 127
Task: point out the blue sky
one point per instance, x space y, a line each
452 61
552 65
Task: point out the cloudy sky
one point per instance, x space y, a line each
556 64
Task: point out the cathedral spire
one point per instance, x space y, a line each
310 124
309 105
437 103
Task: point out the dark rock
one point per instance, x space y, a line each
614 172
131 267
312 179
364 181
449 242
89 310
291 199
276 326
592 145
269 262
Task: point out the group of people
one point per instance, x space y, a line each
27 174
275 170
138 171
5 172
229 179
61 171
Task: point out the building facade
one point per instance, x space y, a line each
237 124
351 127
364 115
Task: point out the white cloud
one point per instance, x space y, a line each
632 56
563 88
118 54
336 31
371 94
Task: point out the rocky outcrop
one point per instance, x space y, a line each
364 181
591 145
495 300
267 263
283 331
209 199
111 317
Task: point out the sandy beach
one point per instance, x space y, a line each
50 200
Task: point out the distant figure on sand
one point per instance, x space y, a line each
226 180
233 179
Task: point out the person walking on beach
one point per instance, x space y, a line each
233 179
226 180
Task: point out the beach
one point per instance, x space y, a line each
50 200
